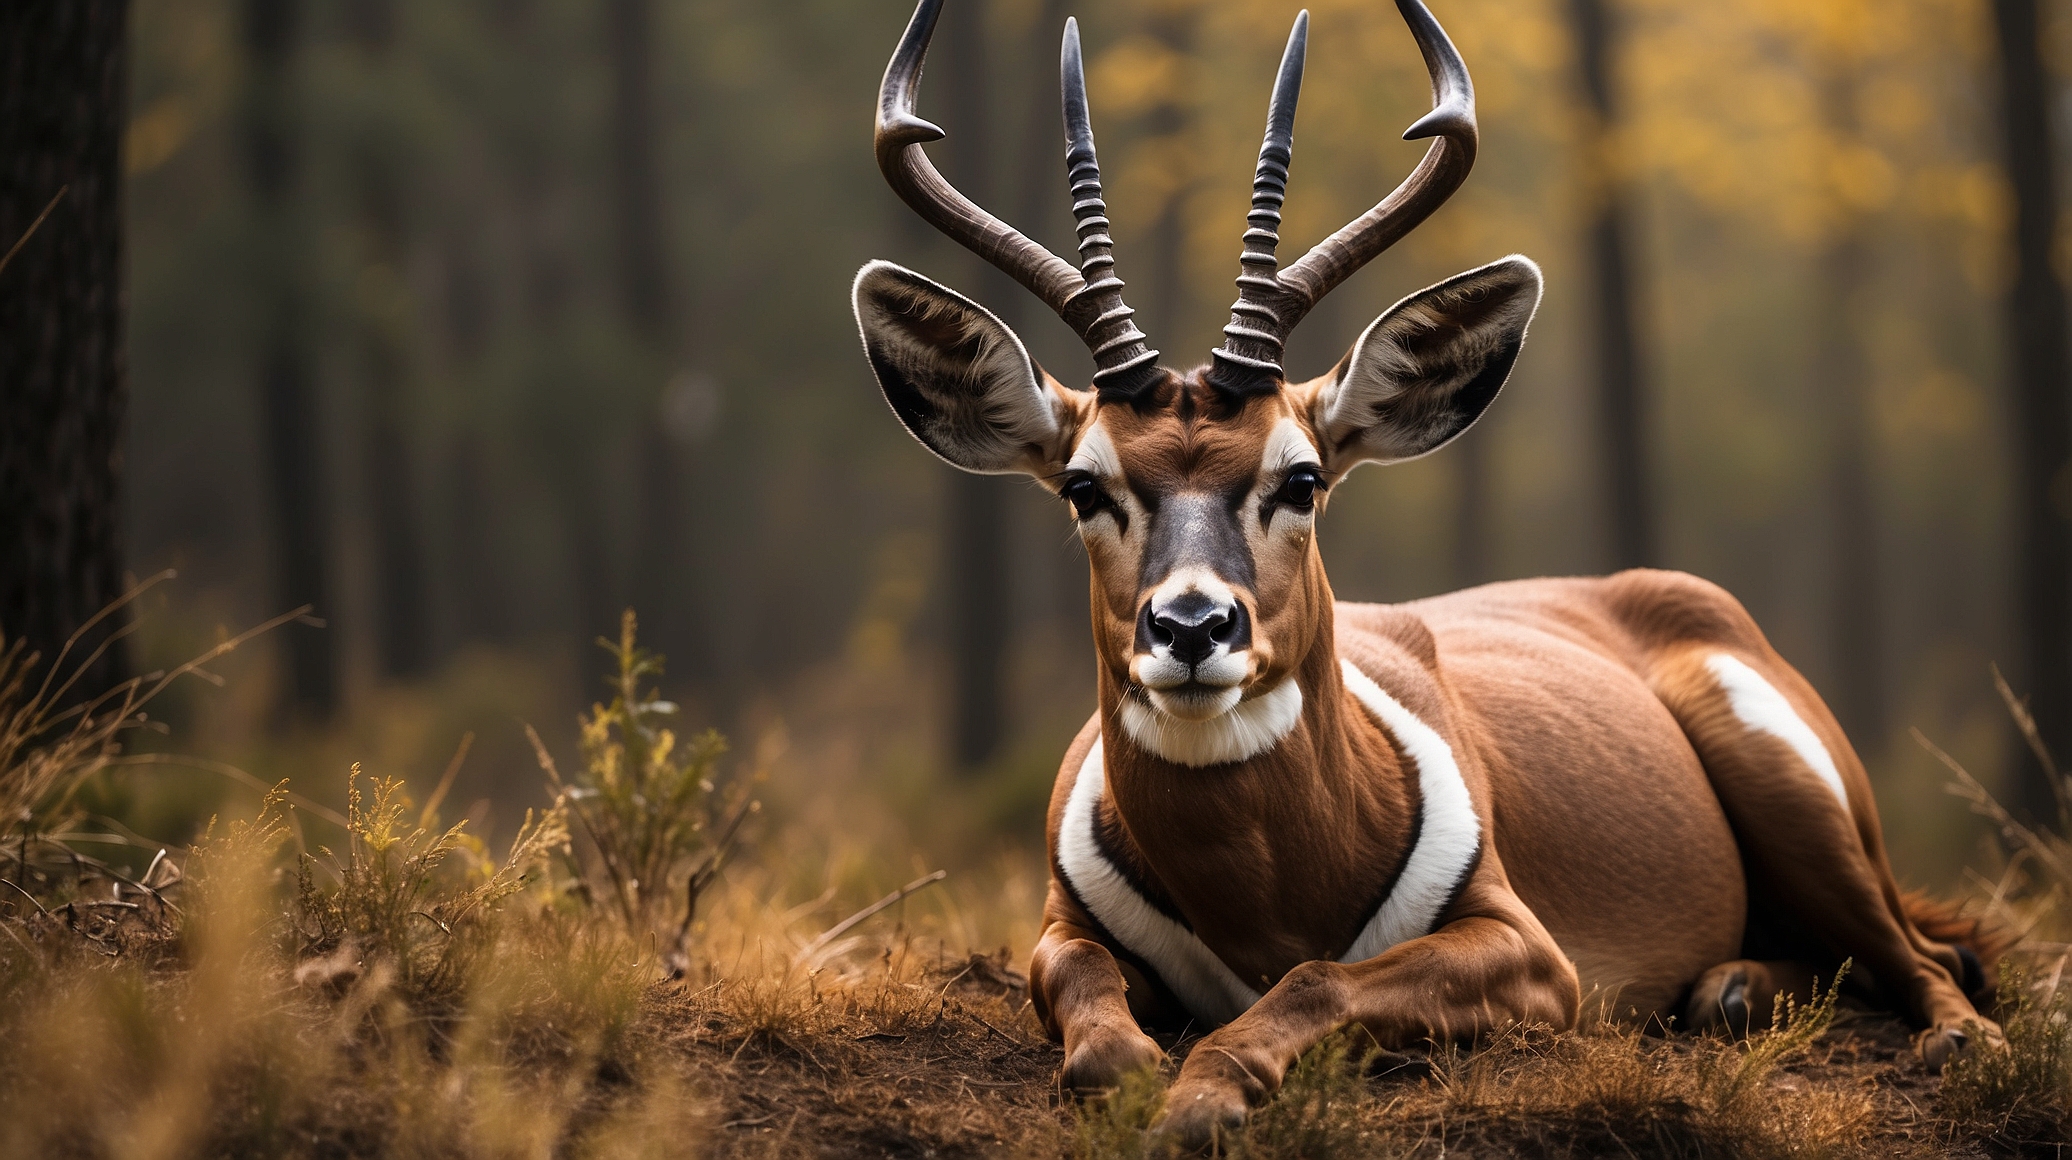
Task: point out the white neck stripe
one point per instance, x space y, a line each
1201 981
1448 838
1447 841
1249 729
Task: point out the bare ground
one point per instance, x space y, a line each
956 1065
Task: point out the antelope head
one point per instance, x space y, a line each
1196 493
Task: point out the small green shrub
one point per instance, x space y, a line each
645 803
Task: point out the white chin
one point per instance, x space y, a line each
1216 728
1196 704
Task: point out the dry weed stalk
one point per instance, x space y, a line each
2017 1095
52 740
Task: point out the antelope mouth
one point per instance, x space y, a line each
1199 724
1194 700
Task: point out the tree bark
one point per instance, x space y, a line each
271 127
976 573
402 614
2040 368
63 104
1622 399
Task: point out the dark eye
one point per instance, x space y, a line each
1300 489
1085 496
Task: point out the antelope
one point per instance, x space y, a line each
1428 819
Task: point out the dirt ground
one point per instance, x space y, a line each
966 1071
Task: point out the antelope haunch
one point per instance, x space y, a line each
1292 814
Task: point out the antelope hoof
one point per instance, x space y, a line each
1941 1045
1199 1117
1104 1055
1720 1000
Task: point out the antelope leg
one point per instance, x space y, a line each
1493 966
1081 995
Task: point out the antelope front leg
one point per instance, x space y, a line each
1468 977
1080 994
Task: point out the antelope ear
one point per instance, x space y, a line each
958 378
1428 367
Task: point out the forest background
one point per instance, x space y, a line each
472 323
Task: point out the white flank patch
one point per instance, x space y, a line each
1762 708
1201 981
1446 841
1245 732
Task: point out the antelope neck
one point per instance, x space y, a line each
1293 854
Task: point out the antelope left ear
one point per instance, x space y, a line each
1428 367
956 376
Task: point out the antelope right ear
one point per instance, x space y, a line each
957 377
1428 368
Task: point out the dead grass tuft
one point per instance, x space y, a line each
1527 1092
2018 1097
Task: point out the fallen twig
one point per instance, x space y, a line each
678 960
843 927
30 232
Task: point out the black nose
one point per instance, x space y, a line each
1192 626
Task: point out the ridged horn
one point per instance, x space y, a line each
1121 352
1271 303
1251 350
1089 299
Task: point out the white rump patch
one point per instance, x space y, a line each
1447 839
1762 708
1245 732
1201 981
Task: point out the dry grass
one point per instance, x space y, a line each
1604 1091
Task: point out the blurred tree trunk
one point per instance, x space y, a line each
637 183
1472 519
483 610
271 126
1621 382
1842 371
1051 588
63 103
644 293
403 631
980 605
477 604
2042 413
1165 264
